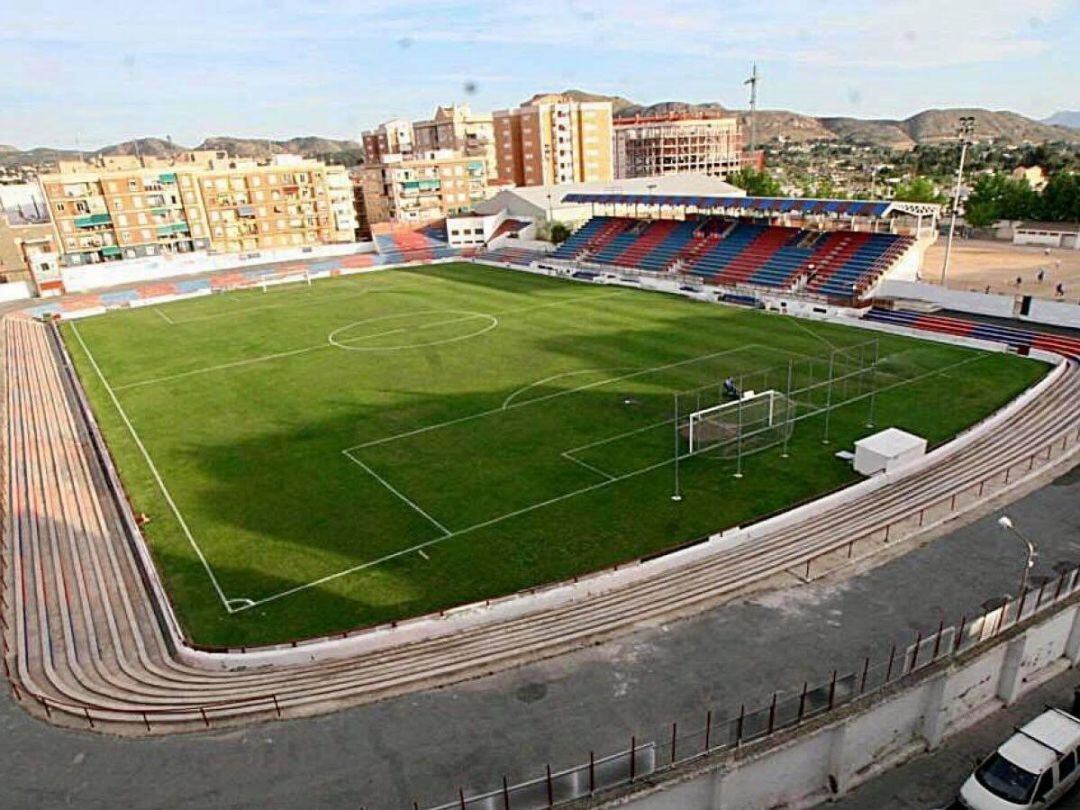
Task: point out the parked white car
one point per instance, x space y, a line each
1033 768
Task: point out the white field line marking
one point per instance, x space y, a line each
153 470
587 465
362 566
812 333
560 375
320 299
463 315
280 355
167 319
221 367
459 533
420 551
412 504
623 435
554 395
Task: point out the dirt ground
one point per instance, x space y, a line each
977 263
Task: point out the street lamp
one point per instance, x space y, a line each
1005 522
964 133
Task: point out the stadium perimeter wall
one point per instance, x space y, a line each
809 765
1054 313
91 277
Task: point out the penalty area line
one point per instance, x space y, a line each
225 601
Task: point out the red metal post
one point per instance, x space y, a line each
959 633
551 788
506 795
802 703
633 757
914 653
708 728
892 658
865 672
937 640
832 691
674 731
592 772
772 713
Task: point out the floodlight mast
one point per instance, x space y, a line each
964 132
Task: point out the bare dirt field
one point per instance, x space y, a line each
977 264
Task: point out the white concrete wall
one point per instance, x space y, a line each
802 767
1058 313
89 277
15 291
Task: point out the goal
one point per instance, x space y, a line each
753 422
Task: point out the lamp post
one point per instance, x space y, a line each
964 133
1005 522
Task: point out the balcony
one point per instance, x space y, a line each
93 220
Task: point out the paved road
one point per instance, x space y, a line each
423 746
933 780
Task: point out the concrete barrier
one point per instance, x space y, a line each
820 760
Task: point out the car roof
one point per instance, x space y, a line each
1034 747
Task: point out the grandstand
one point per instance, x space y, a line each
731 252
829 249
400 243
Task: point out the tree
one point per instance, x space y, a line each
918 189
1061 198
998 196
559 233
755 183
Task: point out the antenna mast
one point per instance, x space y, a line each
753 82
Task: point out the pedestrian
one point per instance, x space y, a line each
1019 281
1059 290
1042 274
987 290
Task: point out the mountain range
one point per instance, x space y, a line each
159 147
927 127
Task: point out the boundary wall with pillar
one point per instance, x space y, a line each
825 758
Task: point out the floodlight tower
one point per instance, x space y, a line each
753 82
964 132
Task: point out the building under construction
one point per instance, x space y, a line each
677 143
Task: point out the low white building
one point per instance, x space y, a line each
887 450
1048 234
541 203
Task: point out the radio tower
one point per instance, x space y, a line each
753 82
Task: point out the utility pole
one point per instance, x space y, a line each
964 133
753 82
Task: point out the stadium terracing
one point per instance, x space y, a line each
737 242
91 640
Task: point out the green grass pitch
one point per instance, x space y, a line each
380 446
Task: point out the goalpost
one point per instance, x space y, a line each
761 419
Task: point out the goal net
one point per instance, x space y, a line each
753 422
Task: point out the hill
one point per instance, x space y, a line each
1064 118
255 147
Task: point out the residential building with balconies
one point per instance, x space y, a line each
552 140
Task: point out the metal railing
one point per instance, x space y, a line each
676 745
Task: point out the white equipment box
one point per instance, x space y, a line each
887 450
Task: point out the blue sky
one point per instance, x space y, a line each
78 74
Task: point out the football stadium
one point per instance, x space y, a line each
274 490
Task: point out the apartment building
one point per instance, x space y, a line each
394 137
553 139
136 207
677 144
422 188
457 127
339 189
